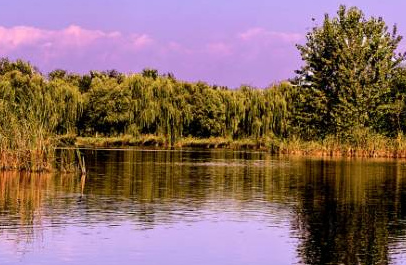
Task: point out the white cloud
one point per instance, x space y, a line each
68 38
255 56
263 34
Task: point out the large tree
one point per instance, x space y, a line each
349 62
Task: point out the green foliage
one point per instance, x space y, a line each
349 63
106 107
172 109
32 110
391 115
150 73
208 112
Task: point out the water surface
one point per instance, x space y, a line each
206 207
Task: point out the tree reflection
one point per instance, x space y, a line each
350 212
343 212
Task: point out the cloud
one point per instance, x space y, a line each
270 36
140 41
13 38
79 37
219 48
71 38
255 56
74 47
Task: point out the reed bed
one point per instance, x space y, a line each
25 151
32 112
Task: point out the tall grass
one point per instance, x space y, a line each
32 111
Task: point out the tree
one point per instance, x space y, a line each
392 115
349 62
151 73
106 108
57 74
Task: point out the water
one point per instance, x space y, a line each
206 207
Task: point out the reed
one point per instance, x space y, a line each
81 162
32 111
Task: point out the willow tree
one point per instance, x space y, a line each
348 64
208 111
106 107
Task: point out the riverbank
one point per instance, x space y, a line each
157 141
40 160
374 146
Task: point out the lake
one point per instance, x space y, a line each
206 207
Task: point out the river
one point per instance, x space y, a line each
158 207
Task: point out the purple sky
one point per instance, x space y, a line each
222 42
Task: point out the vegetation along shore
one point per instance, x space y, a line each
348 99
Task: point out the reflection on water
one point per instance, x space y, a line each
206 207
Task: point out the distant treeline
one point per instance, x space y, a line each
352 88
112 104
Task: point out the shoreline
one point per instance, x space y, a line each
393 149
37 161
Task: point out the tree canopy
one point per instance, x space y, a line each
349 62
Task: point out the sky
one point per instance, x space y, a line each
230 43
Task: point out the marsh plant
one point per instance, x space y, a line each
32 111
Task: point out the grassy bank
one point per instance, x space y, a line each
370 146
158 141
29 158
